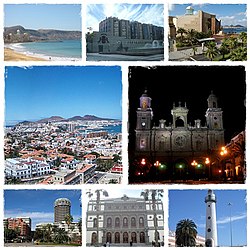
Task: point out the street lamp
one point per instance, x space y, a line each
231 232
207 162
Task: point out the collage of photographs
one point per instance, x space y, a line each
124 123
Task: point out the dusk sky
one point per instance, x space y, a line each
33 93
193 85
228 13
43 16
190 204
39 204
144 13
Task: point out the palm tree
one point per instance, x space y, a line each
185 233
61 236
68 219
154 192
98 198
181 31
211 51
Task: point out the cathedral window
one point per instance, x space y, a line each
133 222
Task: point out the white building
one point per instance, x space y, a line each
125 220
26 168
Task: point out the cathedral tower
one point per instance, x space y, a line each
143 125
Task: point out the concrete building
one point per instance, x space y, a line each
120 221
211 222
119 35
61 209
177 143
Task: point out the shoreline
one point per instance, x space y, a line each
12 55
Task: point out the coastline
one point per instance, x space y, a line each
11 55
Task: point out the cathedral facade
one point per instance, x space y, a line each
179 143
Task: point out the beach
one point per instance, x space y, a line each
11 55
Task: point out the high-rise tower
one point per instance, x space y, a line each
61 209
211 227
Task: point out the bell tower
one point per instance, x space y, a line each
144 123
144 112
179 116
214 113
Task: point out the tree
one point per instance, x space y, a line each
211 51
61 236
153 193
185 234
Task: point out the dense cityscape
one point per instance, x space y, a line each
55 151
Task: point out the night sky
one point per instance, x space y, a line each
193 85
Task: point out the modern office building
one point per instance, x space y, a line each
61 209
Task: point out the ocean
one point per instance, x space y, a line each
53 50
234 30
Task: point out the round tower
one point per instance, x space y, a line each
61 209
211 225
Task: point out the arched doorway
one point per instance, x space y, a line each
108 237
133 237
142 237
94 238
117 237
125 237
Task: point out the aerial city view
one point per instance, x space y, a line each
42 218
125 32
207 32
28 36
63 125
187 134
211 218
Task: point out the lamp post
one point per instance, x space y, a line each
231 232
207 162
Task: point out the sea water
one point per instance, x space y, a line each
63 49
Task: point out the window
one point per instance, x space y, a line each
125 222
133 222
109 222
117 222
141 222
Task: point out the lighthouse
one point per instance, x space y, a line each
211 227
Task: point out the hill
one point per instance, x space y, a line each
20 34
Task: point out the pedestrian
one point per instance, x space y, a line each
131 243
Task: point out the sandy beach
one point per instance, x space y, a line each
11 55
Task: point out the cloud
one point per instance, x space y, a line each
225 220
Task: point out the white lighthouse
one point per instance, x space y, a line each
211 226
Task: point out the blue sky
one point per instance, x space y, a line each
32 93
43 16
144 13
228 13
189 204
39 204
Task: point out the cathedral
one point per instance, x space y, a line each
176 144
